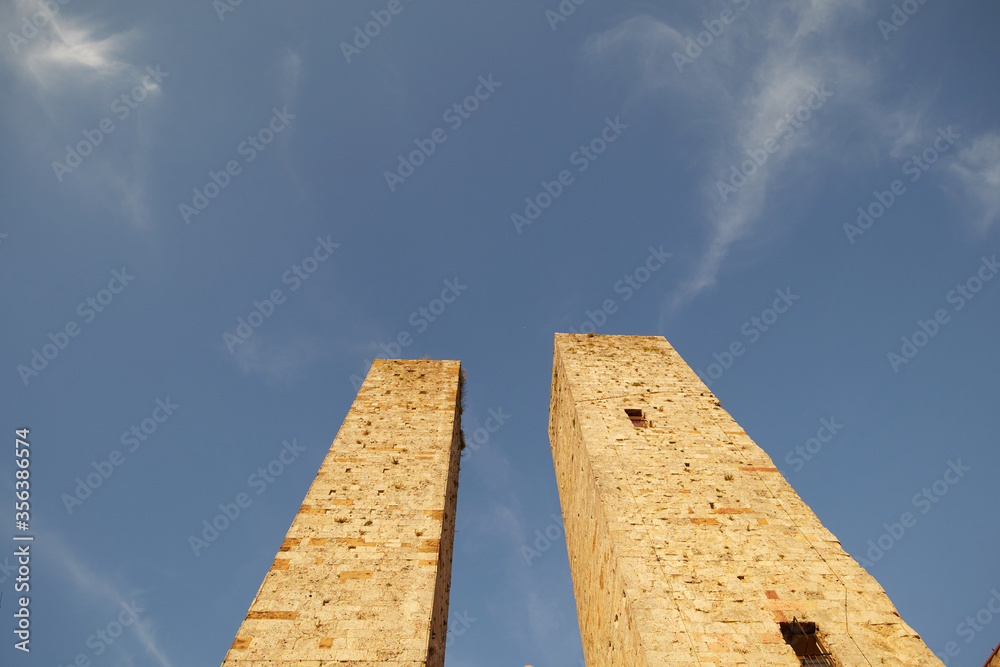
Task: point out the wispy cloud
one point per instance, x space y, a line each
67 63
642 42
106 597
977 169
290 74
289 68
286 360
103 594
760 68
61 48
502 521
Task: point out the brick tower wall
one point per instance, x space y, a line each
687 546
363 575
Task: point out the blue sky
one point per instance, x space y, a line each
188 165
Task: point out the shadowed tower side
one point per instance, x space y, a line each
363 575
687 546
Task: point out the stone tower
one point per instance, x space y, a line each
363 575
687 546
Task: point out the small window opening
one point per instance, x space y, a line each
637 418
803 639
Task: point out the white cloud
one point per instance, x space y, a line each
759 69
60 49
503 522
746 86
644 39
977 169
291 74
105 598
73 70
283 361
907 125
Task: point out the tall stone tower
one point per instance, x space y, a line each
686 545
363 575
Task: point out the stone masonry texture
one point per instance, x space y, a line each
687 546
363 575
994 660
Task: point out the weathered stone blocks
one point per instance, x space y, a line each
363 575
686 545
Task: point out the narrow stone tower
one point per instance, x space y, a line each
363 575
687 546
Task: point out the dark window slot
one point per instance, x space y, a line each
804 640
637 418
